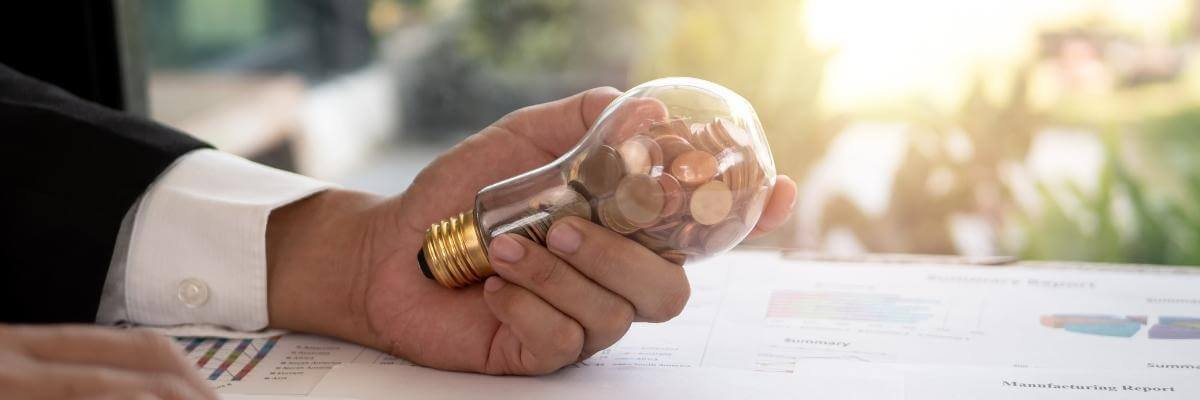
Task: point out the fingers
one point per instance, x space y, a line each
604 315
534 338
136 352
558 126
657 288
779 206
130 349
68 381
633 117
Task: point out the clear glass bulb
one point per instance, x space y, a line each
680 165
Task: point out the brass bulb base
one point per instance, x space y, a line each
454 253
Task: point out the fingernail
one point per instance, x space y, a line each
564 239
493 284
507 249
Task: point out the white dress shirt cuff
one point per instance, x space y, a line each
197 245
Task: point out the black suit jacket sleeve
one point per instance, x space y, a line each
71 171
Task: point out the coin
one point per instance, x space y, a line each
635 116
711 202
664 229
672 146
702 138
678 257
694 168
724 235
532 224
732 164
588 199
612 218
729 134
562 202
673 195
652 242
686 235
661 129
537 228
601 171
640 153
640 200
679 127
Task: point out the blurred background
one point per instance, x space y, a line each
1064 130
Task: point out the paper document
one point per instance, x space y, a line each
281 365
369 382
922 330
774 314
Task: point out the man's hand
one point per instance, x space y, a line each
344 263
77 362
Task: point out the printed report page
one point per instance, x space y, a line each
921 330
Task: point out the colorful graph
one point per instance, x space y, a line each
1124 326
848 306
1176 328
226 360
1096 324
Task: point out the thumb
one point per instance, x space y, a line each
558 125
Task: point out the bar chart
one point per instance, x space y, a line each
226 360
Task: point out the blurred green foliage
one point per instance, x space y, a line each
1144 206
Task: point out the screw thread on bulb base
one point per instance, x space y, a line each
454 253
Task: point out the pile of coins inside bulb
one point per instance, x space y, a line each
681 188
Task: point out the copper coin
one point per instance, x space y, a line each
732 167
612 218
729 133
640 200
702 138
601 171
562 202
711 202
673 195
672 146
635 116
652 242
552 198
640 154
724 235
694 168
674 256
660 129
686 235
679 127
664 228
696 131
578 187
713 139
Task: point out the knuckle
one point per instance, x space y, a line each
623 316
568 340
670 304
607 260
548 273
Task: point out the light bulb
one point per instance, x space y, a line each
680 165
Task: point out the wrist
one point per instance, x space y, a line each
317 264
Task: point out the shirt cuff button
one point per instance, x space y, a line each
193 292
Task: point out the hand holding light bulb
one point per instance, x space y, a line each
548 307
